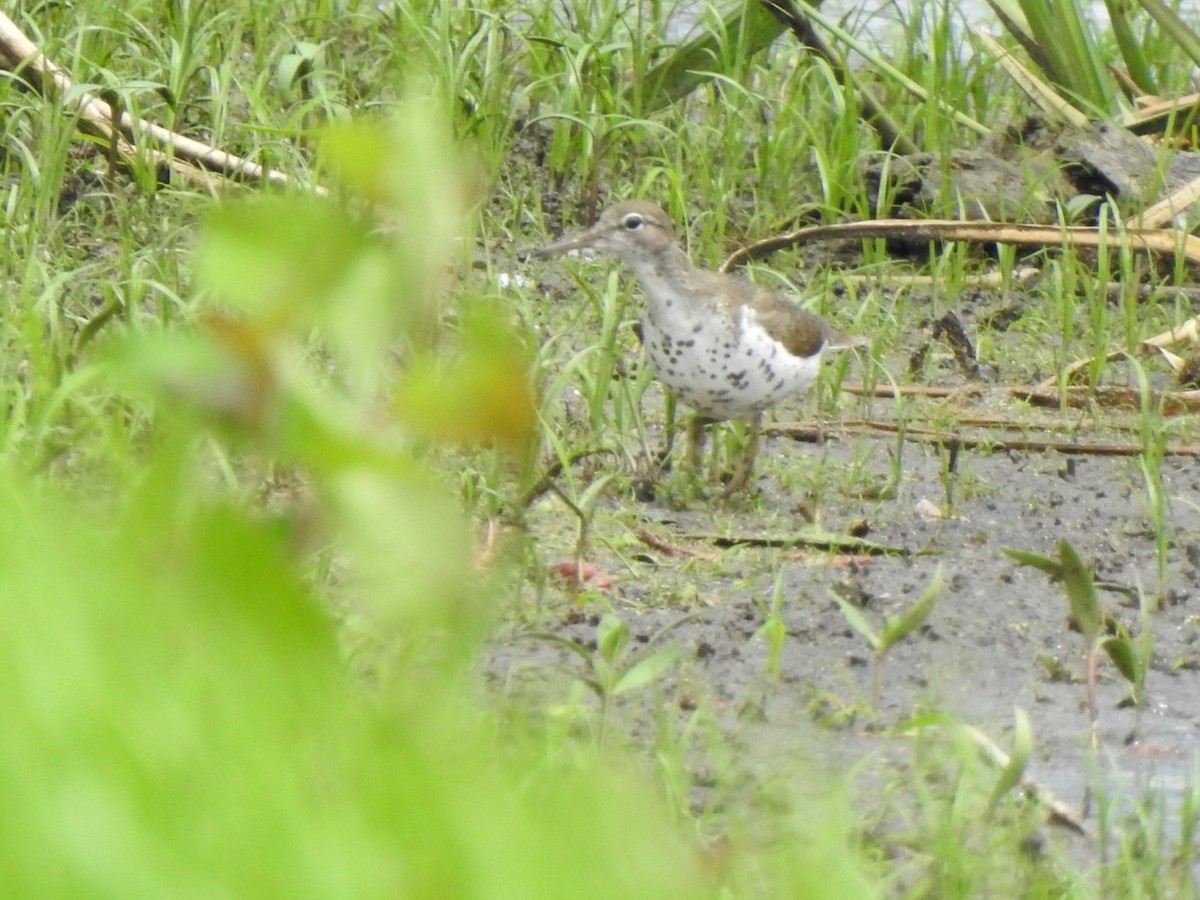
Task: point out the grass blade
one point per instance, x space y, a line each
1022 749
1081 591
897 628
857 620
1174 27
647 670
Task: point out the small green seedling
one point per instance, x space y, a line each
1012 768
1132 655
895 628
613 669
583 506
1011 765
773 631
1079 582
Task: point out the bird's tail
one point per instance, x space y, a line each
839 340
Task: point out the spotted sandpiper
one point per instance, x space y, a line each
726 347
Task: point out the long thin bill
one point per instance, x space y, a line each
579 242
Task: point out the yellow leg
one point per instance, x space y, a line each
745 468
669 407
695 442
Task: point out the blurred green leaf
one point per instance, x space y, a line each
423 183
611 636
481 395
229 379
361 155
1018 760
412 561
283 260
231 386
290 264
178 721
647 670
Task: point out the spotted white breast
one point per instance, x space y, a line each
720 368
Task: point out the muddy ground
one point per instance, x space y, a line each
998 638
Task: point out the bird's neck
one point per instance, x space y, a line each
666 275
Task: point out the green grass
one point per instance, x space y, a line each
251 447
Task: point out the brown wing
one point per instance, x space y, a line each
800 332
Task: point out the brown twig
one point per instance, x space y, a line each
1059 812
1173 403
656 543
816 540
1153 117
1162 242
892 391
1188 331
953 440
1170 206
1022 275
208 165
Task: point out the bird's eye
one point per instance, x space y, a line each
632 222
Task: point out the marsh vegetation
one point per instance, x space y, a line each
341 557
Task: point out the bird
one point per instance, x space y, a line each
724 346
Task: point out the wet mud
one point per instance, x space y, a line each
998 638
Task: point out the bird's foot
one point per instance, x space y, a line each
740 484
